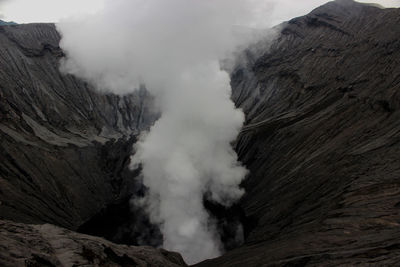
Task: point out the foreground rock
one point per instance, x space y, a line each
48 245
322 142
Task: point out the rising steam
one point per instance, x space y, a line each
174 48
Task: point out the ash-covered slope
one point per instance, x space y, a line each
322 142
64 147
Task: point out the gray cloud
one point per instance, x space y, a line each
1 7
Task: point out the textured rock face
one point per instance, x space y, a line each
65 147
48 245
65 151
322 142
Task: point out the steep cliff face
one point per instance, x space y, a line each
322 141
65 147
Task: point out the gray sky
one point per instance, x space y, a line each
25 11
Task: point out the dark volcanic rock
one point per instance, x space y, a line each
124 223
64 147
322 142
64 159
48 245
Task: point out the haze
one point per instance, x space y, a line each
27 11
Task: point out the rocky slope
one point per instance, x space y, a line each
65 147
322 141
47 245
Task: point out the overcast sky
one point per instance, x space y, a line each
25 11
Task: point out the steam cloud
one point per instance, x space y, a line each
1 7
174 48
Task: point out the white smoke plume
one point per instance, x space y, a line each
2 2
173 47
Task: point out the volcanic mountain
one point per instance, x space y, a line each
321 142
